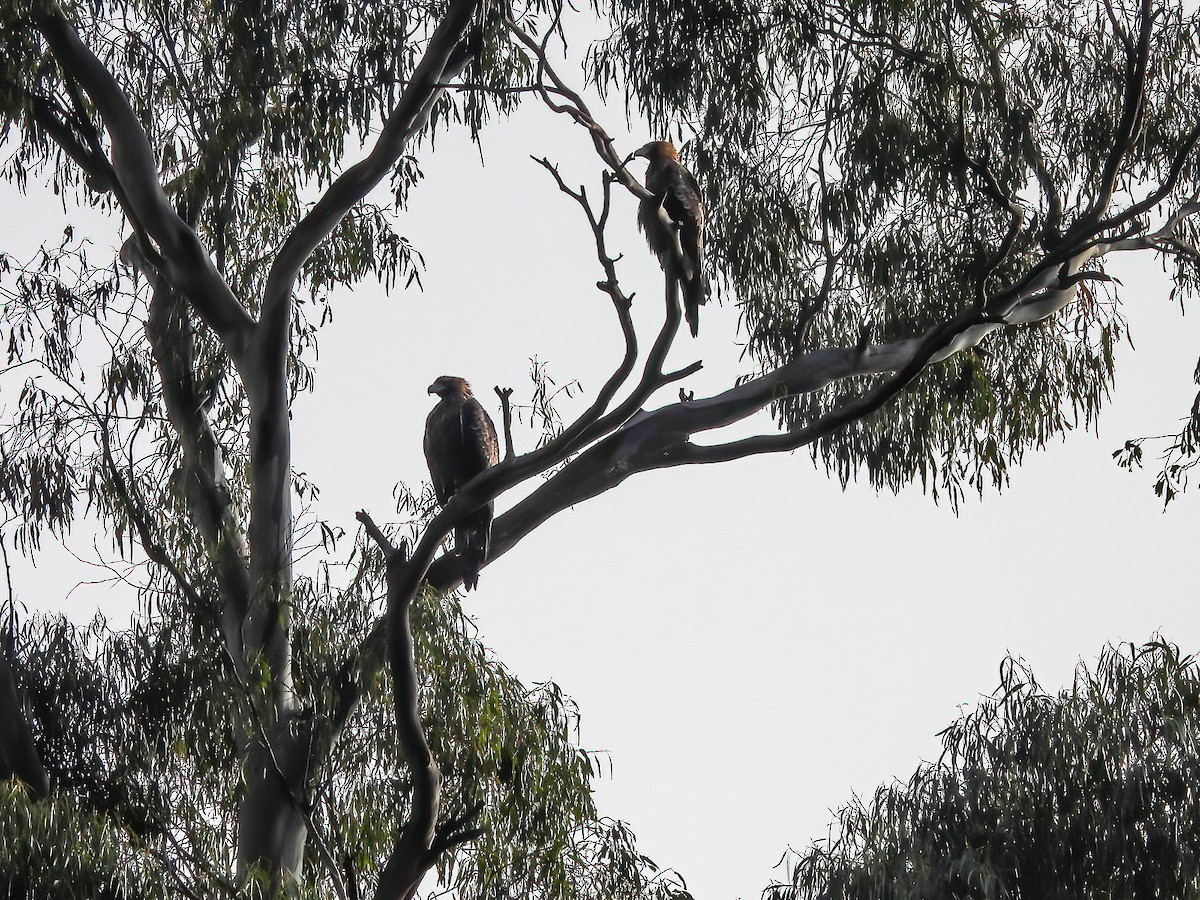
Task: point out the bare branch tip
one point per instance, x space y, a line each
680 374
376 534
505 395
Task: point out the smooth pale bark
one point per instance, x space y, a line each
272 826
209 503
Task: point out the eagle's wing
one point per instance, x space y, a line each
460 442
683 199
478 433
437 454
657 234
676 191
685 205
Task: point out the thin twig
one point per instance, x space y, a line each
578 110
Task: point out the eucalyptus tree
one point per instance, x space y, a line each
911 204
1086 792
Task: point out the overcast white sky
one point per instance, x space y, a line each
749 642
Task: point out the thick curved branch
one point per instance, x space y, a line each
209 503
187 264
1166 235
661 438
409 859
444 59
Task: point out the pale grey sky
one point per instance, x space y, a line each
749 642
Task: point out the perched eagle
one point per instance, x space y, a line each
460 442
675 190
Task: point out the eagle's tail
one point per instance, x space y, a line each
693 296
473 539
695 293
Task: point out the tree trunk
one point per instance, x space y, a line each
272 829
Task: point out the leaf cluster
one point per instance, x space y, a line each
1088 792
511 765
874 168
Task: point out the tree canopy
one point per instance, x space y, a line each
910 205
1089 791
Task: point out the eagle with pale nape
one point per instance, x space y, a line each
675 190
460 442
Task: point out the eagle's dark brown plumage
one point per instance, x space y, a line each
676 191
460 442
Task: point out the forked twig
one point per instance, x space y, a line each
505 395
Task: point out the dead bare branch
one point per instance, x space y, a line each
505 395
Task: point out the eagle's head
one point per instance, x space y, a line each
656 150
450 386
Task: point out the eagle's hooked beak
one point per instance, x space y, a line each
642 151
432 389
